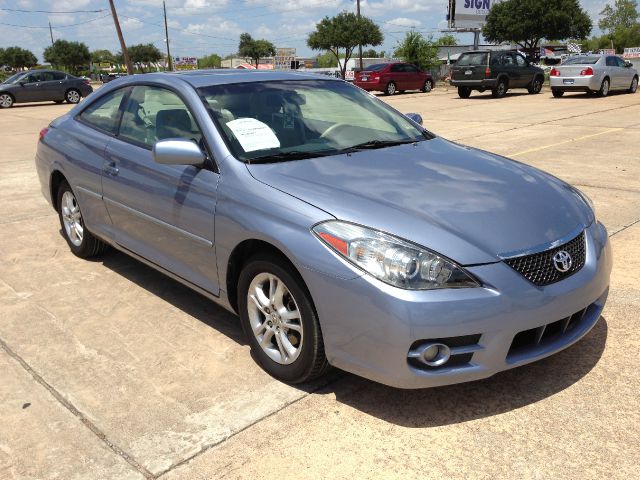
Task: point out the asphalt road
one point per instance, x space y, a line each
108 369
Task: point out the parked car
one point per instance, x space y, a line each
498 71
341 232
593 74
107 77
393 77
41 86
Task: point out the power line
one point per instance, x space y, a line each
18 10
54 26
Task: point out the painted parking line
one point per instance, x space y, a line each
572 140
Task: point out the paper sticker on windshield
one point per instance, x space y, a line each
253 134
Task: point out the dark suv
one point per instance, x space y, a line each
42 86
497 71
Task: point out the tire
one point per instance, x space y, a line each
557 93
72 96
634 85
536 86
500 90
428 86
390 89
262 322
81 242
464 92
604 88
6 100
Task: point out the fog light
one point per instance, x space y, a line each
436 354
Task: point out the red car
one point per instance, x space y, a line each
393 77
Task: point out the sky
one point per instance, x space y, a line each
201 27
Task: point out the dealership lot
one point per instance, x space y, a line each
111 370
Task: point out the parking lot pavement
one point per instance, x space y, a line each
128 374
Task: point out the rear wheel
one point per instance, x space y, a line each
500 90
557 93
279 320
81 242
604 88
464 92
634 85
390 89
72 96
536 86
428 86
6 100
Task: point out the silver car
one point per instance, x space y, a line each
339 230
593 74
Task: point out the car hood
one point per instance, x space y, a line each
466 204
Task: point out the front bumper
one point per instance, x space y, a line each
576 84
369 327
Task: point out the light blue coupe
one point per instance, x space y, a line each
341 231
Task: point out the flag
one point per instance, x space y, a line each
448 57
574 48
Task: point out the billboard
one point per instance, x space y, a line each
633 52
283 58
185 63
469 13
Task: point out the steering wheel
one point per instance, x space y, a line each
327 133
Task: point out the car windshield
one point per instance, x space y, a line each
470 59
581 60
15 78
290 120
376 67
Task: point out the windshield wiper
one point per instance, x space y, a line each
373 144
286 156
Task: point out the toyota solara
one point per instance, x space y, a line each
339 230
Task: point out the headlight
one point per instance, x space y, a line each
391 259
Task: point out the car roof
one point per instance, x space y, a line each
205 78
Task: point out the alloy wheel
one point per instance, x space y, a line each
391 88
5 100
634 85
275 318
73 96
72 218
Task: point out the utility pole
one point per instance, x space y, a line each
359 46
51 33
166 32
125 54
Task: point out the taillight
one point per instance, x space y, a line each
586 72
554 72
487 72
43 132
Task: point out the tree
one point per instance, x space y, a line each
102 56
17 58
624 14
344 32
71 55
210 61
371 53
447 40
327 60
144 53
418 50
526 22
253 50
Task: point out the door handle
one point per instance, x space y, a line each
111 169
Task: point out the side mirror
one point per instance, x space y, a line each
416 117
628 64
22 83
178 151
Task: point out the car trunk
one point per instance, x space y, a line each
471 66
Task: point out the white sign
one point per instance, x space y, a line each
633 52
472 13
253 134
185 63
350 75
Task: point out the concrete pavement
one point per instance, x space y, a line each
128 374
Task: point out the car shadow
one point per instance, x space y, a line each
32 105
487 95
464 402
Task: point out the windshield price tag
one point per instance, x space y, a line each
253 134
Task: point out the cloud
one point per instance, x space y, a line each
404 22
378 8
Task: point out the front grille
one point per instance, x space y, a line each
540 336
539 268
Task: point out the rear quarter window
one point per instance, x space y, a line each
104 113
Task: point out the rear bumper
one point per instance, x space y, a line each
370 328
85 90
485 84
576 84
376 86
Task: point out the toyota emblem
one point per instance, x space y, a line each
562 261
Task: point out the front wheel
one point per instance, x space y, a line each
72 96
279 320
6 100
464 92
536 86
557 93
428 86
390 89
634 85
81 242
